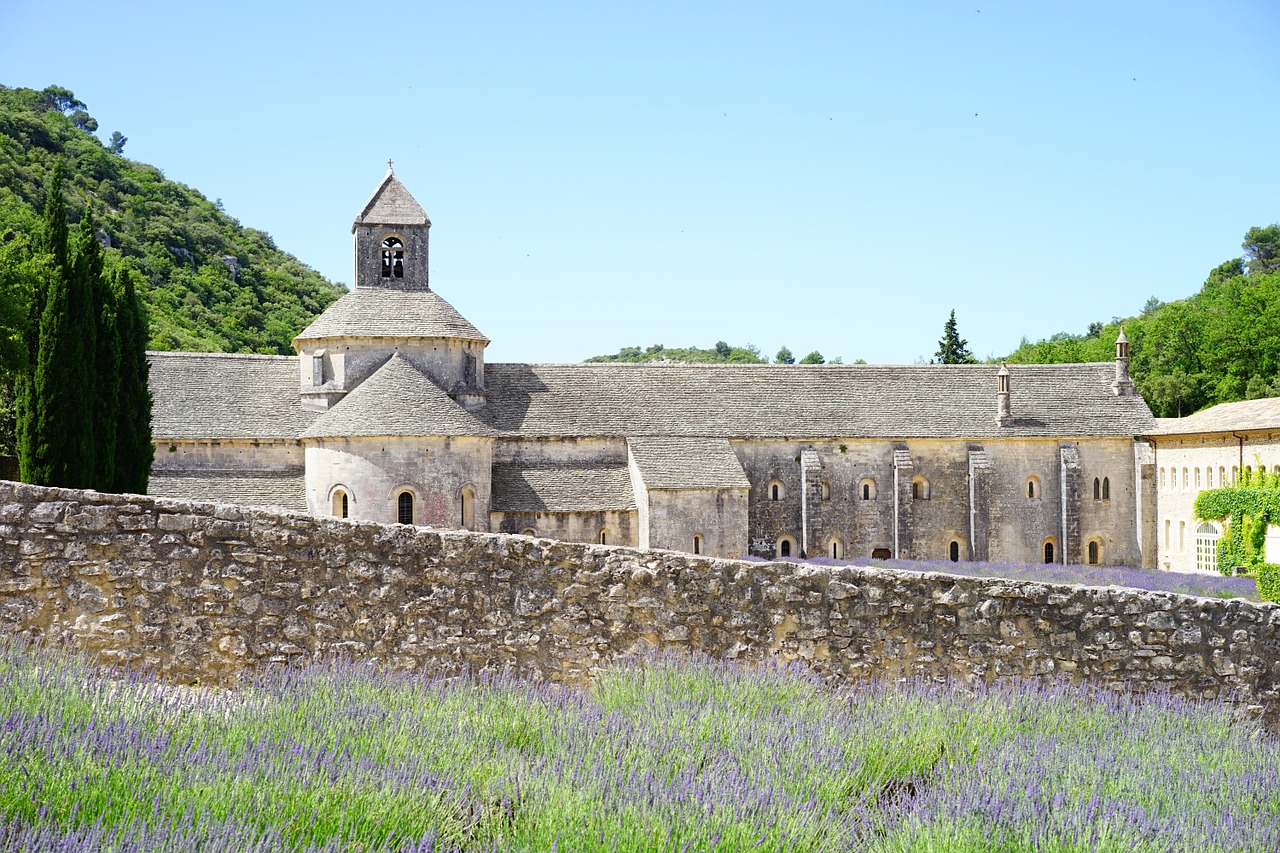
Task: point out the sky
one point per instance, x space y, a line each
825 176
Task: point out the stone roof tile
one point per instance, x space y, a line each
396 400
225 395
1225 417
565 487
807 401
285 489
676 462
391 204
383 312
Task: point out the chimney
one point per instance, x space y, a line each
1004 414
1123 386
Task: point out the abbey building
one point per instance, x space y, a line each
389 413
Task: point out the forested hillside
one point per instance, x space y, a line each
1218 346
212 284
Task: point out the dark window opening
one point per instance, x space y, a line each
697 544
784 550
915 491
392 258
604 537
1031 489
955 552
773 492
1048 552
1106 488
866 491
404 508
344 504
1097 489
1093 553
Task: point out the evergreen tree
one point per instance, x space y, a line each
104 367
133 448
952 349
784 356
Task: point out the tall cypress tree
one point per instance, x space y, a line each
133 448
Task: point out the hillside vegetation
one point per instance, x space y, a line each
1218 346
212 284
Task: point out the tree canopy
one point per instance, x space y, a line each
1217 346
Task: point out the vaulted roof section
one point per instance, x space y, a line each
802 401
391 204
224 395
1243 416
679 462
378 312
561 487
397 400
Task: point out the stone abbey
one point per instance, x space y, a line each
389 413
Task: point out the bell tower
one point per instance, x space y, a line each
391 235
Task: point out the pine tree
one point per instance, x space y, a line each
952 349
133 448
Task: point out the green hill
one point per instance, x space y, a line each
213 285
1218 346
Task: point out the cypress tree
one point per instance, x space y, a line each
87 300
133 448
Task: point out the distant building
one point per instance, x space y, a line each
389 413
1207 450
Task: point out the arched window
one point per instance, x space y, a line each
1186 479
867 488
697 543
786 546
392 257
1097 489
1094 552
604 536
1208 478
776 490
404 508
836 548
1207 536
468 497
1222 476
1197 478
920 488
340 503
1049 551
953 551
1164 480
1106 488
1033 488
1235 474
826 490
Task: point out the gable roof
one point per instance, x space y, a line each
380 312
391 204
675 462
803 401
561 487
396 400
1225 417
286 489
225 395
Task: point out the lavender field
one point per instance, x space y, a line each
668 754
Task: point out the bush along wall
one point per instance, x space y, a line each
1247 510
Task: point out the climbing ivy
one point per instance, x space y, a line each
1247 509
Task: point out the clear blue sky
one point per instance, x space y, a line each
831 176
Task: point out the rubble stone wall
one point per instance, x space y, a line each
205 591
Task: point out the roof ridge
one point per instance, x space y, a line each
243 355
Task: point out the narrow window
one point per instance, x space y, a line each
955 552
784 549
340 503
775 492
1048 552
837 548
1197 478
1182 535
468 508
1186 480
1164 480
1097 489
392 258
1031 489
404 508
1168 525
915 490
604 537
344 504
1093 553
920 488
1208 478
826 490
1222 476
866 491
1235 474
697 544
1106 488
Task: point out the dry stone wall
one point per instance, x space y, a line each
206 591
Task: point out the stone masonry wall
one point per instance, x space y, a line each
206 591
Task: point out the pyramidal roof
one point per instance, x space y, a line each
391 204
396 400
377 312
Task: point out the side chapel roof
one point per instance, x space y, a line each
561 487
1245 415
677 462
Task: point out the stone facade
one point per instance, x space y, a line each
1207 450
208 591
394 415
